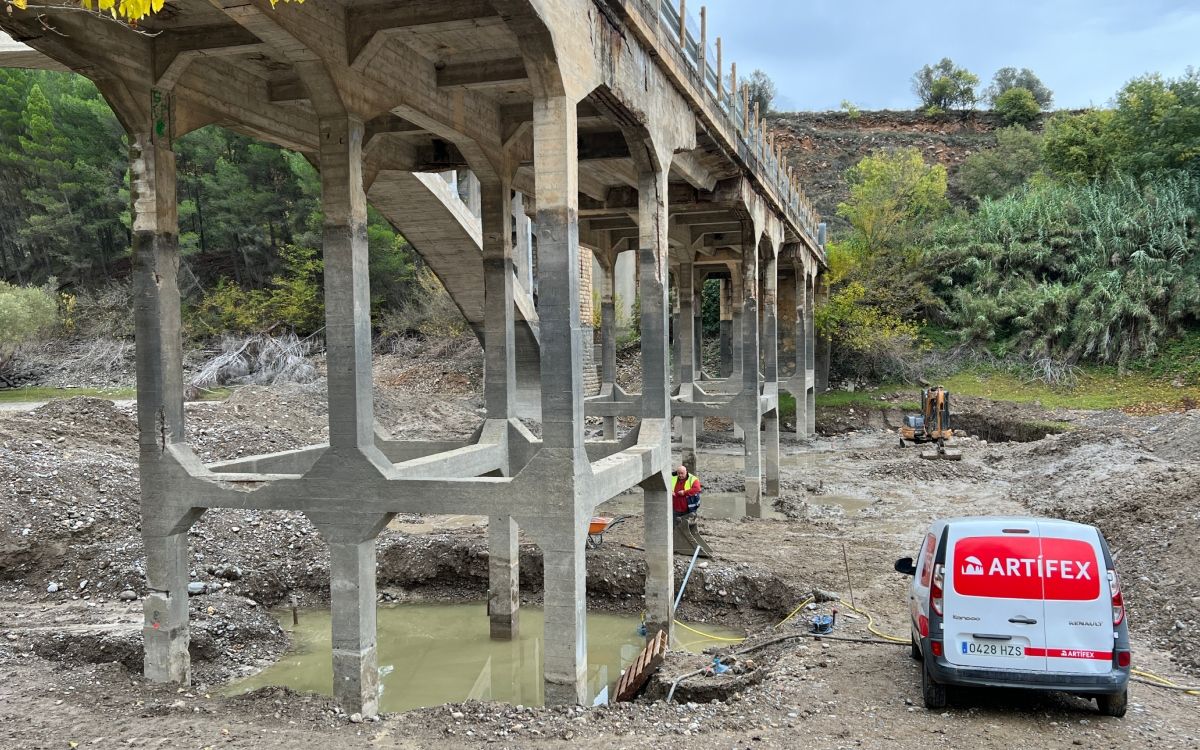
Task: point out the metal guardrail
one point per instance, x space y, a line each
679 30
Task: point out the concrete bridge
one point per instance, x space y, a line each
613 126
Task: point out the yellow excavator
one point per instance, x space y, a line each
932 425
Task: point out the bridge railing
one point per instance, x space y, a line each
680 31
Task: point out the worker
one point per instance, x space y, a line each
685 490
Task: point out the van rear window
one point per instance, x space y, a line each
1026 568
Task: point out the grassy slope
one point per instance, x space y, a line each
1096 389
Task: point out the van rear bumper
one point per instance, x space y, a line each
1091 684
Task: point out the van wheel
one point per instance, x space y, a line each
1113 705
915 648
933 693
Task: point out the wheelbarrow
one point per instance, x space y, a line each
598 526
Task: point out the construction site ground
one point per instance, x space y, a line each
71 575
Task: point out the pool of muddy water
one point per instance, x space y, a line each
431 654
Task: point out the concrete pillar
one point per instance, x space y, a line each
803 349
656 396
565 635
351 542
737 296
811 347
347 290
504 578
686 336
499 317
522 243
500 380
751 411
160 391
726 329
676 342
608 338
770 338
469 191
698 329
562 348
351 539
822 344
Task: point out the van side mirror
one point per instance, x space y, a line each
906 566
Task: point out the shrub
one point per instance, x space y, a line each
294 299
1105 272
996 172
1017 106
25 312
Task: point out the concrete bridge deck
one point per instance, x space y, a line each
612 124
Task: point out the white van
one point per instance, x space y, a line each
1018 602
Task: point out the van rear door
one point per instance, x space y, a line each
1078 602
994 614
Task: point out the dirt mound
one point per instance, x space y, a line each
1147 510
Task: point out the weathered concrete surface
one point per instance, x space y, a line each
617 134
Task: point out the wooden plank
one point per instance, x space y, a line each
638 673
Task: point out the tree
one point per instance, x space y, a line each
1079 147
1156 124
761 90
996 172
129 10
943 86
1011 78
891 191
1017 106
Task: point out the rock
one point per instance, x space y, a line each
195 588
128 595
356 718
53 588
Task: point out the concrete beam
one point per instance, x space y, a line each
176 50
485 75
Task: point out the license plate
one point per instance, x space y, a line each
988 648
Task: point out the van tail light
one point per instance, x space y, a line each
1124 658
1118 601
935 589
936 648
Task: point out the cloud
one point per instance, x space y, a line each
822 52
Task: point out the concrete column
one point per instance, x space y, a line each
686 336
469 191
770 338
562 455
811 347
821 345
676 341
737 294
608 339
726 329
504 578
499 317
656 396
562 334
803 350
522 243
351 542
347 289
565 636
160 391
751 411
698 329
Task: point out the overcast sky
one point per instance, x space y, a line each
820 52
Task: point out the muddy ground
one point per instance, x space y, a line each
71 574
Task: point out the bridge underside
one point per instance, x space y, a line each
608 133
